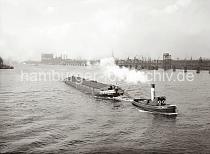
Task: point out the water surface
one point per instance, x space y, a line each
51 117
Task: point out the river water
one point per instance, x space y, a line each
51 117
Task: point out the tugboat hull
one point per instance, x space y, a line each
166 109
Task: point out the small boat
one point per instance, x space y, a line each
155 104
2 66
99 90
6 67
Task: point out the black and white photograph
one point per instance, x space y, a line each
104 76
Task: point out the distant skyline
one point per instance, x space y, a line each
95 28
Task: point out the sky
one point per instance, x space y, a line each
94 29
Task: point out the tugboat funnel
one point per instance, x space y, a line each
152 92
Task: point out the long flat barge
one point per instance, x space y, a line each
93 87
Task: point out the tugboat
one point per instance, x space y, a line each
155 105
2 66
99 90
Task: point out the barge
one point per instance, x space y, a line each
97 89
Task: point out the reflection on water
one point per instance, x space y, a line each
51 117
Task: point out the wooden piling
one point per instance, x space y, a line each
185 69
198 70
174 68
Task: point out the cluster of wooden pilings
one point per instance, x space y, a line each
139 64
185 68
166 64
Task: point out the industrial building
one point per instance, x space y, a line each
61 60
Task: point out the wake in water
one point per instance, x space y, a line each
115 73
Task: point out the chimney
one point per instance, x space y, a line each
152 92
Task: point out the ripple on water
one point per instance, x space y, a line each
50 117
